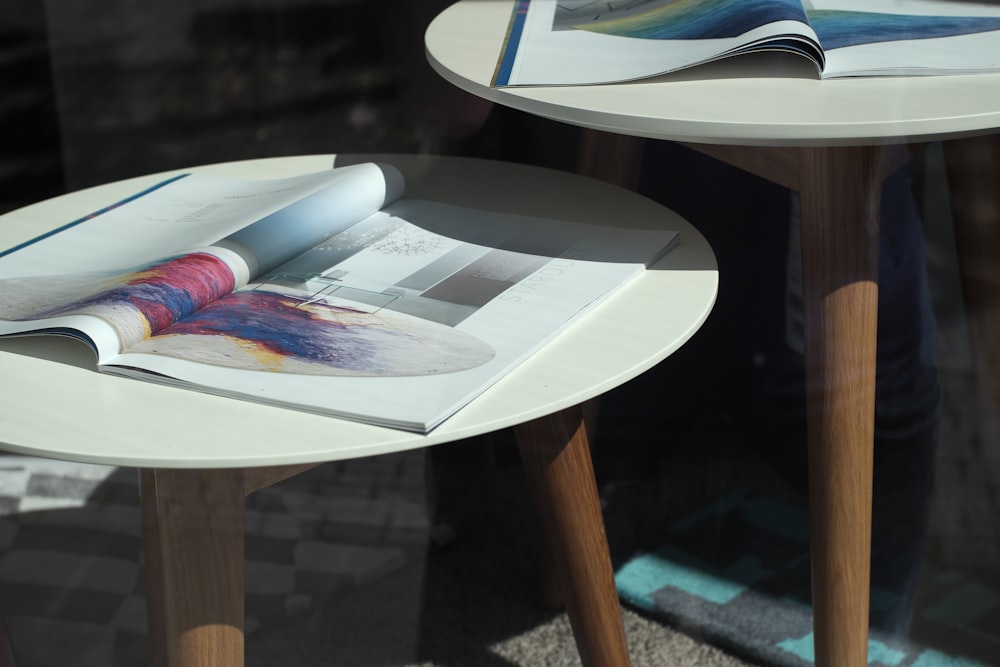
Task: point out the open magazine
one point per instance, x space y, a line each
576 42
325 292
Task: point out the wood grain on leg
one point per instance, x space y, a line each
559 469
193 540
841 191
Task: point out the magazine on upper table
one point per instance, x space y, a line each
326 292
577 42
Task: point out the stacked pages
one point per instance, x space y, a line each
325 292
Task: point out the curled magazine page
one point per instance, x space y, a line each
570 42
185 212
135 303
358 191
117 276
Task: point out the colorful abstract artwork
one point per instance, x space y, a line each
272 331
135 302
694 19
837 29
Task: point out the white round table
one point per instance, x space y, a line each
833 141
201 454
760 100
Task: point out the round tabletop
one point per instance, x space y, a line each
765 99
54 403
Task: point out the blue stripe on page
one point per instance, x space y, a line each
513 39
4 253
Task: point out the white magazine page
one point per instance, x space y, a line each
582 42
404 319
74 278
195 210
907 37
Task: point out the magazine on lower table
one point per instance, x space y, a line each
579 42
327 292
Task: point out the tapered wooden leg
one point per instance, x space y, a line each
193 541
559 470
841 191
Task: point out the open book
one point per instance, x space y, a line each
575 42
325 292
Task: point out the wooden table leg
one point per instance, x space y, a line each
841 191
193 542
557 461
